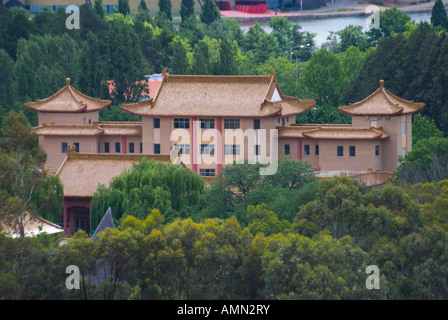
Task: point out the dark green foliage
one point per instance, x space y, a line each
428 161
166 7
226 65
201 59
90 79
439 16
186 9
179 59
123 7
209 12
98 7
422 128
173 190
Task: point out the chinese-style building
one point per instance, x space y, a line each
211 121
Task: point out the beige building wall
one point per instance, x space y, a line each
312 158
52 145
363 160
67 118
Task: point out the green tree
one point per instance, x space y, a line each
393 21
201 59
166 7
186 9
226 65
93 69
438 15
423 128
98 7
123 7
179 56
209 12
22 173
8 85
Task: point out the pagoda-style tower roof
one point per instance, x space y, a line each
382 103
68 100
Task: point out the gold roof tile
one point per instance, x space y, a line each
345 133
82 173
224 96
382 103
68 99
67 130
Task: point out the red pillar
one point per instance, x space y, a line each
193 145
72 222
299 149
219 143
124 143
64 217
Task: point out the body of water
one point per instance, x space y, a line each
321 27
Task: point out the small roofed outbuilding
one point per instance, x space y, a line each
382 103
82 173
68 100
34 225
219 96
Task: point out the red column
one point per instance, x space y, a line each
299 149
219 143
72 222
193 144
123 142
64 217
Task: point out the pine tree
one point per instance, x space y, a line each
186 9
201 62
179 60
143 6
99 8
91 67
123 7
165 6
210 12
226 65
438 15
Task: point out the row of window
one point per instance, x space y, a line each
378 117
131 149
184 123
339 150
209 149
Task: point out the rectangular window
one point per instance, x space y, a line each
403 152
256 124
278 121
340 151
207 172
366 118
156 148
352 151
287 119
257 149
231 123
387 117
76 144
207 123
287 150
156 123
306 150
232 149
141 147
403 128
64 147
99 147
316 149
117 147
106 147
379 117
181 123
377 150
182 148
208 149
373 124
131 147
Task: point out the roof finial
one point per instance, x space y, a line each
273 73
67 80
381 83
164 72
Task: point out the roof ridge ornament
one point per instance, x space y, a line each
381 83
67 81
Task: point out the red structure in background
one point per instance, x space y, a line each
249 6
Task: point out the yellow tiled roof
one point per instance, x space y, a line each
293 105
82 173
67 130
68 99
329 131
373 178
346 133
223 96
382 103
98 128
